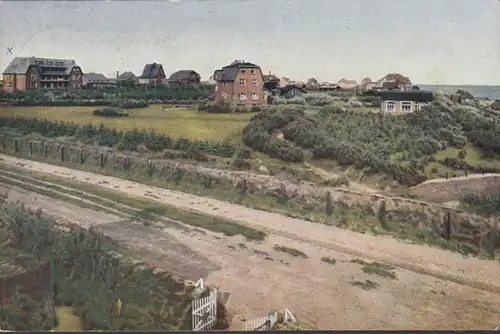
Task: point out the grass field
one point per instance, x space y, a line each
176 122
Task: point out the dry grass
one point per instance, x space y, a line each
176 122
291 251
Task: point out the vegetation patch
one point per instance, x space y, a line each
131 139
366 285
329 260
399 146
291 251
110 112
376 268
89 278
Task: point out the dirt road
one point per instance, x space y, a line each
318 292
258 278
419 258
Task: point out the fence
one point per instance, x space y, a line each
204 309
269 321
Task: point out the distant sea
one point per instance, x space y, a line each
491 92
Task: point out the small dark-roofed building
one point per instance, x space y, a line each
97 80
185 77
464 96
126 77
495 105
271 82
290 91
153 74
404 101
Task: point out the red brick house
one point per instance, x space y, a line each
240 83
25 73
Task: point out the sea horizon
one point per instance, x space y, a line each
491 92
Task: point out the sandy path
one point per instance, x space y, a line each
424 259
320 293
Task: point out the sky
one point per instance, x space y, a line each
430 41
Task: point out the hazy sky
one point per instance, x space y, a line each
431 41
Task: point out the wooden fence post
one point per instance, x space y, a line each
62 153
82 158
45 149
16 145
151 168
101 160
125 164
4 144
329 204
31 148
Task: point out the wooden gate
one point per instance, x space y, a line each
262 324
204 312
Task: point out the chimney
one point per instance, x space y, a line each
269 72
117 74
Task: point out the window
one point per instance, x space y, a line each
217 88
252 71
419 106
243 71
243 96
32 76
406 106
390 106
9 84
255 82
243 82
224 95
255 96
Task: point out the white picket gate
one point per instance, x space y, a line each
262 324
204 312
497 328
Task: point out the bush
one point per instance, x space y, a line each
109 112
219 108
318 99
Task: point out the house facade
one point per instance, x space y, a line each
404 101
97 80
240 83
24 73
153 74
185 77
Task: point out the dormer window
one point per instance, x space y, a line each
243 71
252 71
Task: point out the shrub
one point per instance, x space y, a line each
318 99
109 112
219 108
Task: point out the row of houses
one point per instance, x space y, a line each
241 82
24 73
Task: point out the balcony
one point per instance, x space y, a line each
54 79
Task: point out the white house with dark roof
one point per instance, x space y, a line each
25 73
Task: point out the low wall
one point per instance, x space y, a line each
403 216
